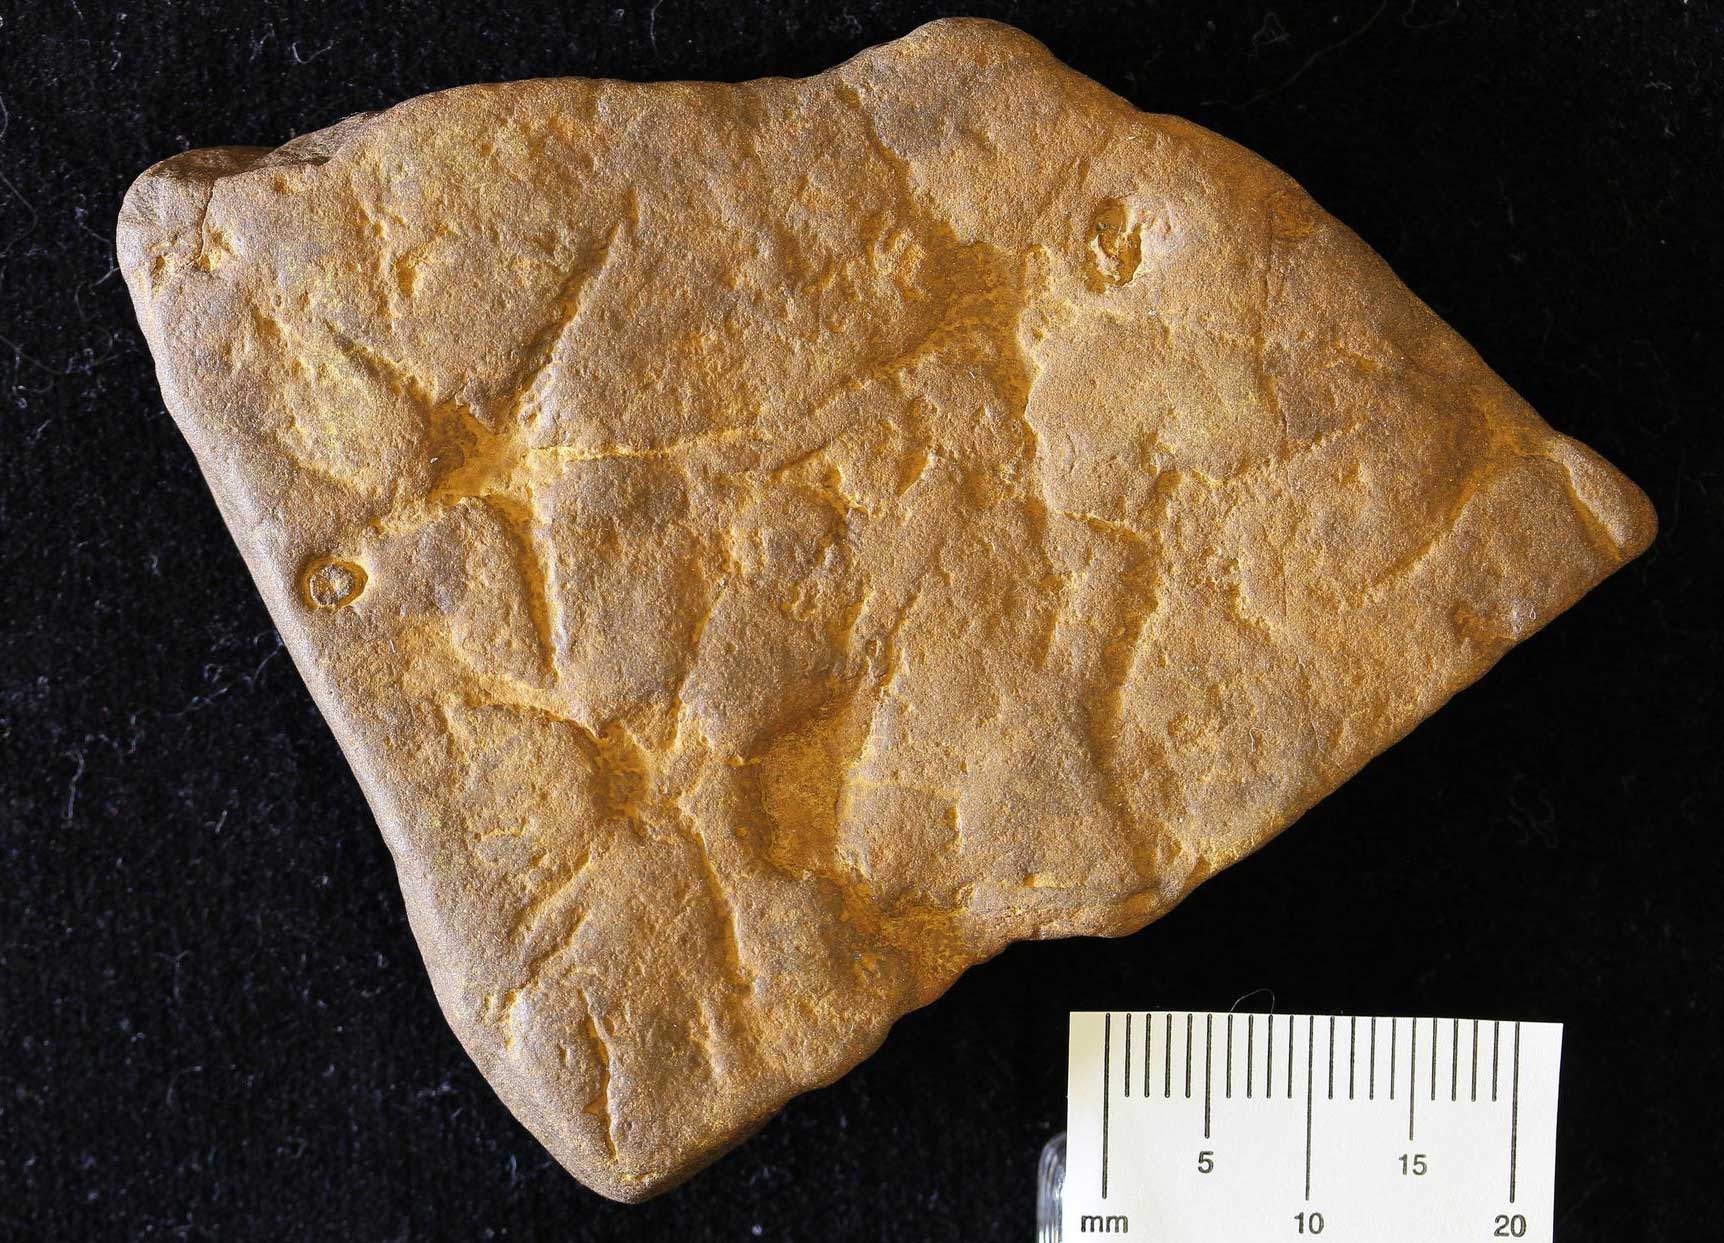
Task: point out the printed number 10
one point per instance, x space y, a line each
1309 1223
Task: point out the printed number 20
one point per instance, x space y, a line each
1509 1226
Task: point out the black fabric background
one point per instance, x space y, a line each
213 1021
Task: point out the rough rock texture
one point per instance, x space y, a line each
763 548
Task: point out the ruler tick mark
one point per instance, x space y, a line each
1188 1020
1128 1053
1496 1049
1433 1059
1475 1059
1148 1048
1412 1075
1208 1050
1455 1061
1514 1118
1250 1050
1230 1056
1167 1059
1310 1068
1352 1051
1269 1070
1394 1036
1106 1086
1289 1057
1331 1057
1371 1089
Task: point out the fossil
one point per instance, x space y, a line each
764 548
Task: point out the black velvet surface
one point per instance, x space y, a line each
213 1021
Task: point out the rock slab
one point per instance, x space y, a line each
764 548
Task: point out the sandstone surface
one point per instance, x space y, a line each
765 547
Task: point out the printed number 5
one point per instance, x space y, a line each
1205 1162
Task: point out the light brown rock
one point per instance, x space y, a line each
764 548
